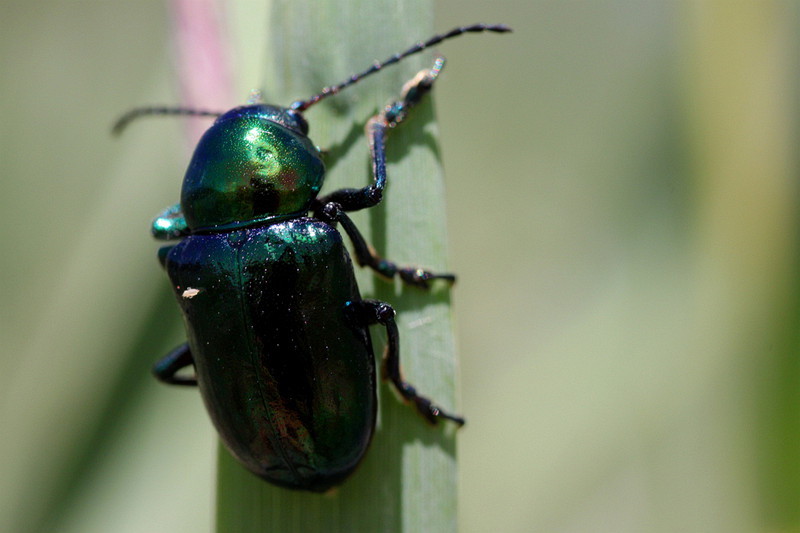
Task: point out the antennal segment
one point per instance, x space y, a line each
139 112
302 105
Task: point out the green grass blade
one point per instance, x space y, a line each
407 482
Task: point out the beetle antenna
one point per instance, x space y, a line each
302 105
134 114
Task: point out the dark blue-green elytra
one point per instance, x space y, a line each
287 379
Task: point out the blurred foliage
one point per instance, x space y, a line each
622 206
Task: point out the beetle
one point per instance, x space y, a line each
278 333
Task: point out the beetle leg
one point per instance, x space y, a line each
367 256
168 366
376 312
376 129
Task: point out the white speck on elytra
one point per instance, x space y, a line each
190 293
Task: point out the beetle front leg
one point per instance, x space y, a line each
376 312
168 366
367 256
377 128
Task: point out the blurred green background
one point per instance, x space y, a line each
622 206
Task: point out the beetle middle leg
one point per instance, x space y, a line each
367 256
167 367
376 312
376 129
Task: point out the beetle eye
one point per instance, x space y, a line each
301 121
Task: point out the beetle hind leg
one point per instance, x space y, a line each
376 312
167 368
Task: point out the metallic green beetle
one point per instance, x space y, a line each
277 330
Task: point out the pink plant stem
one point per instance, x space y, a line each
203 59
